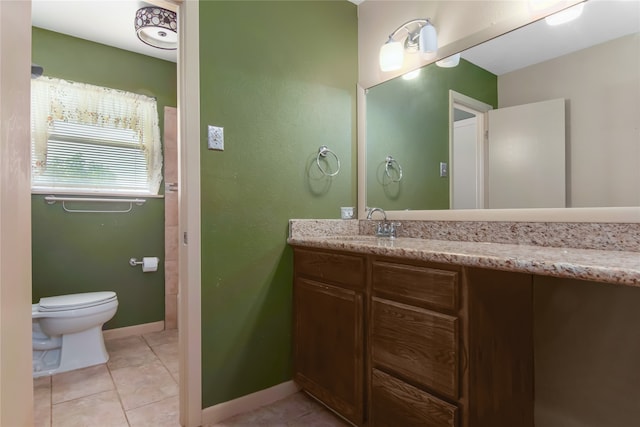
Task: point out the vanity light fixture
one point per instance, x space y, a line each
422 38
157 27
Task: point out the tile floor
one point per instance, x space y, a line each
139 387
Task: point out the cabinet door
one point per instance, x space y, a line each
395 403
328 345
417 344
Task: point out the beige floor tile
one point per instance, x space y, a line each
296 405
165 413
168 355
319 418
163 337
80 383
102 409
129 351
144 384
42 401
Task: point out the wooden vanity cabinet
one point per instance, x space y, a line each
449 346
393 342
415 344
328 298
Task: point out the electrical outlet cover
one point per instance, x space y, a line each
216 138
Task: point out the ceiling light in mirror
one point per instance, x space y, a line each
566 15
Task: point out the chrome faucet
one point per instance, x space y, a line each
372 210
384 228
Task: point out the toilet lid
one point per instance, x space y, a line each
75 301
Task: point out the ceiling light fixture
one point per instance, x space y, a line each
157 27
422 38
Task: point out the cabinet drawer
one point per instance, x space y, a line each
396 403
416 285
418 344
337 268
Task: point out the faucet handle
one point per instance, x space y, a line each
393 229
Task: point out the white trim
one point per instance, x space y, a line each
16 383
222 411
128 331
361 137
480 110
189 309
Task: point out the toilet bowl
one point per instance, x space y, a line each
67 331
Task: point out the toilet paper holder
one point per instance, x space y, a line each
149 264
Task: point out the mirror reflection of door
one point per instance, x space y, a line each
467 152
507 158
526 156
467 181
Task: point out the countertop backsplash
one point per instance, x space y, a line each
579 235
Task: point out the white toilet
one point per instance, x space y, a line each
67 331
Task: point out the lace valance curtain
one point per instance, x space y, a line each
55 100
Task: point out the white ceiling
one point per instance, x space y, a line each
601 21
110 22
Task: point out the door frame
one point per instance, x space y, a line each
189 263
18 403
480 110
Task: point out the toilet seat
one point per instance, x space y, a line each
75 301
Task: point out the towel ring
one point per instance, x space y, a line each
322 152
389 161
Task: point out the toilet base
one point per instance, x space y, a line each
78 350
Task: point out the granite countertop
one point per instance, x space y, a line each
618 267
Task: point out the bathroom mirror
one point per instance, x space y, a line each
592 63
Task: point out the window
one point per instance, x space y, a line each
90 139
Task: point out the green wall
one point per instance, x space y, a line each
90 252
280 77
409 120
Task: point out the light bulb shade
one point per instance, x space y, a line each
157 27
391 56
449 62
428 41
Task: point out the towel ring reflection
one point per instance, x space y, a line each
322 152
389 161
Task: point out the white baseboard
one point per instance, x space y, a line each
222 411
128 331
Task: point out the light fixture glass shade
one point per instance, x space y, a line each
391 56
449 62
428 41
157 27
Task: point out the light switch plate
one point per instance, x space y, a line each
444 169
216 138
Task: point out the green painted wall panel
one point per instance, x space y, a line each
280 77
90 252
409 120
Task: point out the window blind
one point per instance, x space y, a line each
91 139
